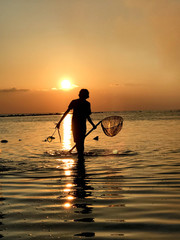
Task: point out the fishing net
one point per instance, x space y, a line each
112 125
50 138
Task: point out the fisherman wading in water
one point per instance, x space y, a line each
81 112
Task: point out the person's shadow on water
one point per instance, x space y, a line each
82 192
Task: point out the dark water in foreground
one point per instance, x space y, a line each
128 188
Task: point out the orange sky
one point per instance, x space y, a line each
126 52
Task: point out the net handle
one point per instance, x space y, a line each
92 129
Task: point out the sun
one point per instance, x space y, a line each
67 84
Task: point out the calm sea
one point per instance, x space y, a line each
128 188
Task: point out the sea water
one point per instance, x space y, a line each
128 187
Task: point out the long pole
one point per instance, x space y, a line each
85 135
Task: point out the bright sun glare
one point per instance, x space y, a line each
66 84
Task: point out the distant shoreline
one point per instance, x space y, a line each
32 114
57 114
29 114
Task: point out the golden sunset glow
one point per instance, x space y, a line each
128 59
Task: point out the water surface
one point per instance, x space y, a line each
128 188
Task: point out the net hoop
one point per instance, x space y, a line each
112 125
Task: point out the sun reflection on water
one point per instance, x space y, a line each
76 186
68 165
66 132
67 205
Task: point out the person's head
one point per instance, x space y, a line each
84 94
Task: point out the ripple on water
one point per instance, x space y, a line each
110 197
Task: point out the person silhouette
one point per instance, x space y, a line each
81 112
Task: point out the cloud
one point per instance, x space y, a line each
128 84
135 84
12 90
115 84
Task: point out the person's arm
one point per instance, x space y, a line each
91 122
64 115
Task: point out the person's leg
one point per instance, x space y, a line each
79 131
80 148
